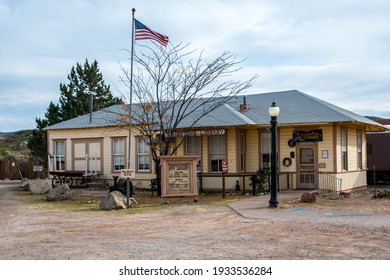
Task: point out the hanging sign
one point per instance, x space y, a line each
307 136
224 166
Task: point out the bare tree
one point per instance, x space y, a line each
174 90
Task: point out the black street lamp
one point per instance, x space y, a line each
273 111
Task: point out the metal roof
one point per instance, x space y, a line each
295 108
298 108
110 116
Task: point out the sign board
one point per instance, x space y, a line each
38 168
179 176
307 136
224 166
127 174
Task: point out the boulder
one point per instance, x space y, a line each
114 200
59 193
382 193
39 186
25 184
308 197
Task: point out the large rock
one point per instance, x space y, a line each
25 184
381 193
59 193
114 200
39 186
308 197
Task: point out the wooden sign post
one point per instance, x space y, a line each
224 171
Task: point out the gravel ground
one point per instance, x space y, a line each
196 231
360 210
334 217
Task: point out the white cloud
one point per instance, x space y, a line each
36 66
330 49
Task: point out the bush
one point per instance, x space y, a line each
3 152
261 180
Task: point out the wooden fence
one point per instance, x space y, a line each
16 169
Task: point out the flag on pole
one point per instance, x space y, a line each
142 32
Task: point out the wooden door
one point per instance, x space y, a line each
307 178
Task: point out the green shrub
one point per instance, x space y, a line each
261 180
3 152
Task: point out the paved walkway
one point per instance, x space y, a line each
256 208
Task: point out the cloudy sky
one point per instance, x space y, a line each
335 50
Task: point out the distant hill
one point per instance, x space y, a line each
373 118
6 134
15 143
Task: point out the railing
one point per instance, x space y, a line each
316 179
329 182
244 176
90 165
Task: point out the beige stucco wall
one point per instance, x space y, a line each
252 150
216 183
231 150
285 134
352 180
288 179
326 145
106 134
205 150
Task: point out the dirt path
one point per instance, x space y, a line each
190 231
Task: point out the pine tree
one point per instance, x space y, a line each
38 140
52 114
73 102
83 80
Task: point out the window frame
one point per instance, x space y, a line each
114 155
188 145
144 155
57 157
344 149
263 151
219 155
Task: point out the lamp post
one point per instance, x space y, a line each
273 111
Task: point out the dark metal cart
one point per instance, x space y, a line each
68 177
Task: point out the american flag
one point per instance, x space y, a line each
142 32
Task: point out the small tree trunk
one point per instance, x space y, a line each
158 175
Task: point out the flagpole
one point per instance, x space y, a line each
131 86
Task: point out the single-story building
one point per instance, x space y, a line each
320 145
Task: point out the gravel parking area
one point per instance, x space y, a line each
196 231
